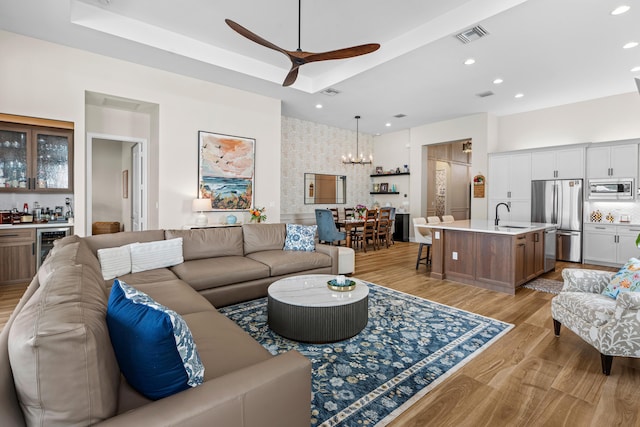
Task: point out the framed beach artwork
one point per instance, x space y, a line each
226 170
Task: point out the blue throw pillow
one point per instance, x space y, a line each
627 279
300 238
153 345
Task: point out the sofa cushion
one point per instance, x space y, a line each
213 272
287 262
122 238
115 262
152 255
209 242
224 347
64 368
176 295
153 344
627 279
263 237
300 238
150 276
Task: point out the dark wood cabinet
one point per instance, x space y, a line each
401 233
17 255
35 158
496 261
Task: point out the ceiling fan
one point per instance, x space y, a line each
299 57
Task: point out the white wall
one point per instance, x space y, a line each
605 119
478 127
107 181
42 79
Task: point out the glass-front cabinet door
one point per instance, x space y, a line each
14 158
53 160
34 158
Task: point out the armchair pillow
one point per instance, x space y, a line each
627 279
115 262
153 344
300 238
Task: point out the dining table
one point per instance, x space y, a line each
350 225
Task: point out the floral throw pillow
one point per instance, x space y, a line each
300 238
627 279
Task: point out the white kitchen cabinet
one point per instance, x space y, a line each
559 163
612 161
610 244
509 182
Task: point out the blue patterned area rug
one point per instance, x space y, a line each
409 346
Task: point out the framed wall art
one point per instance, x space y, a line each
226 170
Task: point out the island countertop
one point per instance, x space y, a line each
479 253
488 226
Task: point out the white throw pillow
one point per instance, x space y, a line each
158 254
115 261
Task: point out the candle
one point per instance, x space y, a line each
340 280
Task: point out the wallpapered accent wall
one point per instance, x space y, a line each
309 147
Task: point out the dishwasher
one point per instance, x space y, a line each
549 249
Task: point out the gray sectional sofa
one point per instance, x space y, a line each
57 365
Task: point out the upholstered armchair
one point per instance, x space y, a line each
610 325
327 230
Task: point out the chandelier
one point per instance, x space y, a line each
358 159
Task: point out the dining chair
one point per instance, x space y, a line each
433 219
422 236
369 229
448 218
327 230
392 225
382 231
349 213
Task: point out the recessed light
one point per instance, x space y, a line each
519 95
388 124
497 81
318 106
470 61
630 45
620 10
635 69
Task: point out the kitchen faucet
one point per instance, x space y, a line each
498 205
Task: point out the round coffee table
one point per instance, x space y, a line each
303 308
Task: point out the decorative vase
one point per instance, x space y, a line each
231 219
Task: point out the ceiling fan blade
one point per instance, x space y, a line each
291 77
253 37
348 52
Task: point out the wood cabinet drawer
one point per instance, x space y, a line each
17 235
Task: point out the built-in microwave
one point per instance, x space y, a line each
611 189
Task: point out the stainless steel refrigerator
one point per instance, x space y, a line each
560 202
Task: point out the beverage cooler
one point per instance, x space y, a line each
44 241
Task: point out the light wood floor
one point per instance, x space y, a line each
527 378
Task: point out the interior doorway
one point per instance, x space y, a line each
448 178
116 181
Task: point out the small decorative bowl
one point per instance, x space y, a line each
348 286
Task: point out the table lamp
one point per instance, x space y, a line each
201 205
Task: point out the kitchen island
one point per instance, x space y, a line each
479 253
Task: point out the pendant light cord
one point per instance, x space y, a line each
299 20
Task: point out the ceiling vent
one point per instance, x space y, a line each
484 94
399 116
472 34
330 92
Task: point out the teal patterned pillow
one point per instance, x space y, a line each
627 279
300 238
